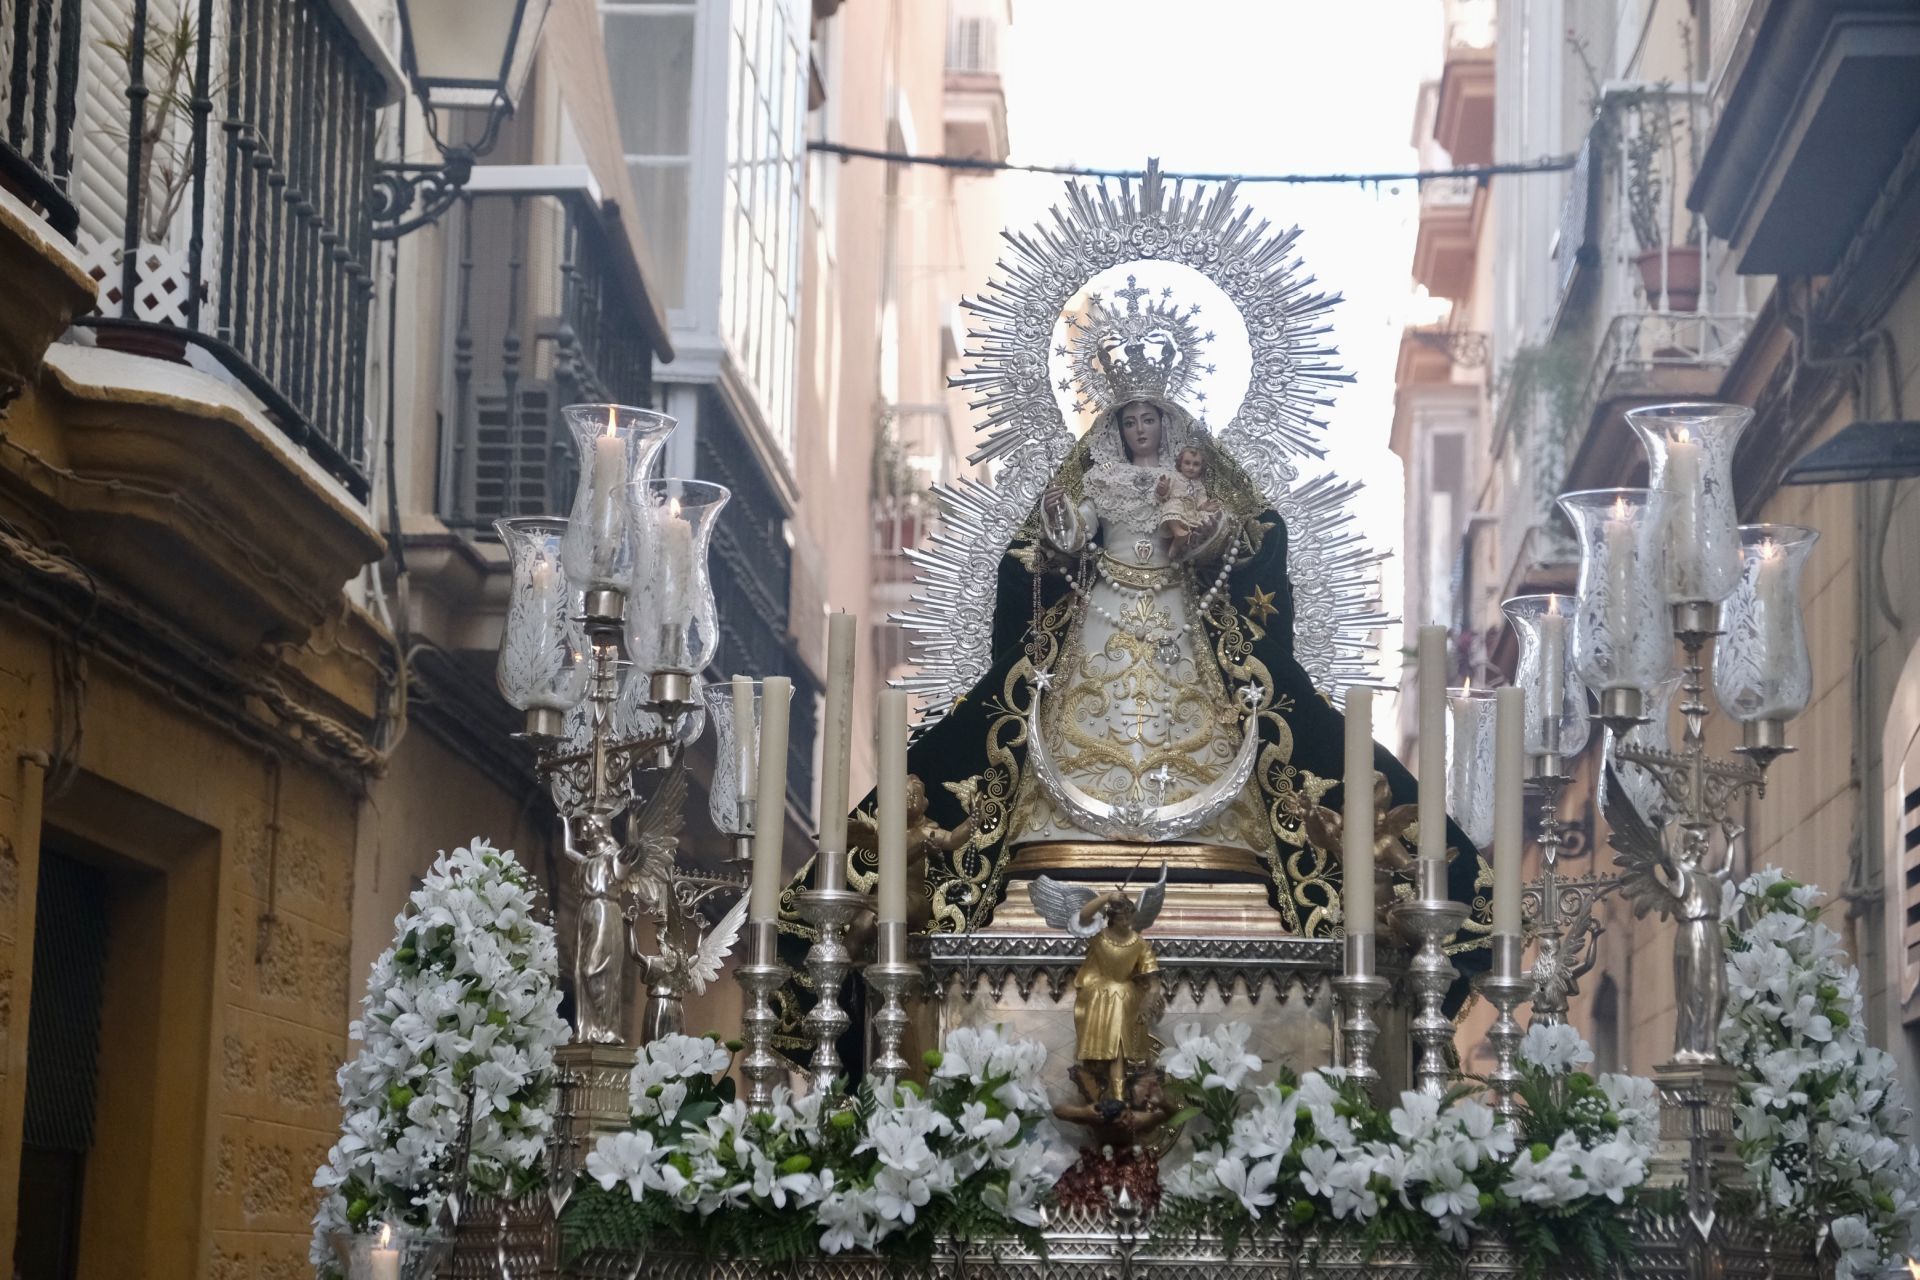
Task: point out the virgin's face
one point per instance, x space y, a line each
1140 429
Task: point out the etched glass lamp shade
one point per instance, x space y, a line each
395 1251
1556 696
1642 788
1761 671
1622 636
733 708
543 659
1690 459
617 445
1470 762
672 627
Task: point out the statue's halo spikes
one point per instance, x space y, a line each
1291 375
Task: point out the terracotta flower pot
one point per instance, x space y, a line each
1683 276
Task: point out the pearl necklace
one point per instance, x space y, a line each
1167 645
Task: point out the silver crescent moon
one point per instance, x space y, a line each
1148 824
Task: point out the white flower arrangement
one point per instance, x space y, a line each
1430 1171
1822 1121
465 1002
890 1170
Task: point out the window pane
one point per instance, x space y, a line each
650 56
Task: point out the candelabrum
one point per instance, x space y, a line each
1505 984
609 623
831 910
1359 988
1429 921
891 977
759 978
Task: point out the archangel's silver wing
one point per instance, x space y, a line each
704 965
1640 849
1060 904
1151 899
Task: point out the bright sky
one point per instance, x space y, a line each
1257 86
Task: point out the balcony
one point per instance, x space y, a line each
1463 108
224 217
1443 247
975 103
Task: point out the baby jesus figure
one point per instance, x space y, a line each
1186 508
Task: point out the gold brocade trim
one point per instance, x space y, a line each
1139 577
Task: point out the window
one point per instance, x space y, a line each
766 149
970 45
650 50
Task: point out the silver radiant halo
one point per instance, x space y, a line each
1277 424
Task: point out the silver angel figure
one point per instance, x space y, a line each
1676 871
1117 998
600 942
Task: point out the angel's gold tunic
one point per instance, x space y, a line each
1106 1006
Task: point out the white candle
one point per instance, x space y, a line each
1357 819
745 731
836 747
609 481
1509 836
891 906
1685 517
1553 674
1776 608
674 604
770 806
383 1260
1619 610
1431 677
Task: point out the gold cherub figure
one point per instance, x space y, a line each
1394 827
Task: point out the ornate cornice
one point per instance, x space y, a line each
1279 965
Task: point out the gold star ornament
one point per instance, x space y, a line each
1260 605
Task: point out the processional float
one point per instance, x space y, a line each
611 626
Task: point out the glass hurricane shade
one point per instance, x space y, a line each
1622 634
391 1251
736 753
470 53
617 445
1556 719
671 621
1642 788
1470 762
543 652
1761 669
1690 459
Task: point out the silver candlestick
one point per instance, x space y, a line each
1430 923
1359 987
759 978
892 976
830 911
1505 985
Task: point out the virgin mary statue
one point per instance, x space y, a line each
1143 702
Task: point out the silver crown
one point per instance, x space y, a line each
1141 353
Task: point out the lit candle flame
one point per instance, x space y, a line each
1553 605
1913 1269
613 418
1620 508
1468 686
1770 550
386 1234
673 507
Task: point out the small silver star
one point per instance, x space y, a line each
1043 680
1207 336
1065 385
1061 348
1251 695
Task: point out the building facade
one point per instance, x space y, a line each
1694 248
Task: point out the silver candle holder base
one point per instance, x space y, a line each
1359 987
1429 924
892 977
759 978
831 911
1505 985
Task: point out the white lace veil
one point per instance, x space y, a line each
1105 448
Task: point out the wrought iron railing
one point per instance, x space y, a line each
38 100
211 159
544 305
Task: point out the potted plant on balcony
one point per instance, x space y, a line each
166 175
1664 267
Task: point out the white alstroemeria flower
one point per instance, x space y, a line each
1270 1127
1556 1049
1251 1184
624 1157
1414 1119
1612 1169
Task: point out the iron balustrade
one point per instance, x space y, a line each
38 101
545 299
223 198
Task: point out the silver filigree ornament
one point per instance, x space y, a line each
1277 425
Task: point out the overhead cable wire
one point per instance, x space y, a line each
1479 172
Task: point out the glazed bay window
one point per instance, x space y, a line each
651 49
